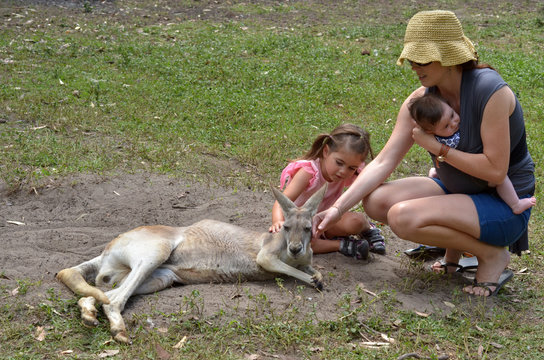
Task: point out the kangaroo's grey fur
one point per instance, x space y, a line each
151 258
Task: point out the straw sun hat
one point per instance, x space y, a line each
436 36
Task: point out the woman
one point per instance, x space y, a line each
458 211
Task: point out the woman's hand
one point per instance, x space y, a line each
424 139
276 227
325 219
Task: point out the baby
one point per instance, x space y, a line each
435 116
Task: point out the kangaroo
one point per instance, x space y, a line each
150 258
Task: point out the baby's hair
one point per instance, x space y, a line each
351 137
427 110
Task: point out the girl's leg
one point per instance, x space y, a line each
324 246
451 222
508 194
351 223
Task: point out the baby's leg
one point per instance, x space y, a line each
508 194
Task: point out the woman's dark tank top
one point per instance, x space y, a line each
477 86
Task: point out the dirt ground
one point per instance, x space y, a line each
70 221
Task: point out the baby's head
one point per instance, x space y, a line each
434 115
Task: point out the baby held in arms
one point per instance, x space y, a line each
435 116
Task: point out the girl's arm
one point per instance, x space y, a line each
295 187
492 164
378 170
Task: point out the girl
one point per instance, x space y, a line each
336 159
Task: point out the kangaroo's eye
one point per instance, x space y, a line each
286 227
307 228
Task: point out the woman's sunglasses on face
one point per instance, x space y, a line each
412 63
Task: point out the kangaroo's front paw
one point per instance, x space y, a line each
317 279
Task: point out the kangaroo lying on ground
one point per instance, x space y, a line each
151 258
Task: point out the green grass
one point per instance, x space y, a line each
82 92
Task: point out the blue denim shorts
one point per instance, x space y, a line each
499 226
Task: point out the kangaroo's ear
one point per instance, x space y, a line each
285 203
313 202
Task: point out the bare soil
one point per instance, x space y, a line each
69 221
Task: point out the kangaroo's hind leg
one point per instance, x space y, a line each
141 251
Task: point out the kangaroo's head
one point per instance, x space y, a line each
297 228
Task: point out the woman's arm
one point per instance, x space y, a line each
378 170
492 164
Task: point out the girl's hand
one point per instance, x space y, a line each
423 138
276 227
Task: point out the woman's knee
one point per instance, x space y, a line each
401 218
377 204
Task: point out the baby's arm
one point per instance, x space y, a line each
295 187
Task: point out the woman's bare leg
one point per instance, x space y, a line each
451 222
378 202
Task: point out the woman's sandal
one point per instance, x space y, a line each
446 265
425 252
503 279
465 264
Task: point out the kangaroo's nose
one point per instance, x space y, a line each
295 248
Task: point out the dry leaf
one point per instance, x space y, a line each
162 330
422 314
387 338
252 357
14 292
480 351
15 222
180 344
108 353
40 333
497 346
66 352
374 344
522 271
448 304
478 328
61 82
